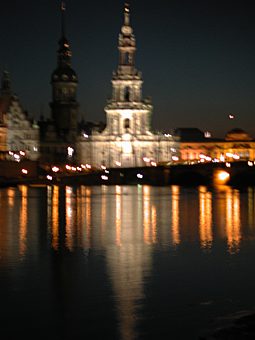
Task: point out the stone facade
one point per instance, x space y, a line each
18 133
127 140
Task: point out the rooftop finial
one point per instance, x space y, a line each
126 14
63 8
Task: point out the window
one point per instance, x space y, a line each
126 123
126 94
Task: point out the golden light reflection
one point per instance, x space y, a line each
11 196
23 220
233 224
175 214
205 218
55 218
69 219
103 210
88 216
118 215
146 215
154 223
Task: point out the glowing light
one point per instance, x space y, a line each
236 156
153 163
85 135
146 159
175 158
207 134
55 169
49 177
228 165
79 169
22 153
103 167
250 163
229 154
70 151
139 176
68 167
118 163
223 176
24 171
230 116
104 178
88 166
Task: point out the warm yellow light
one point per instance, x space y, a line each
55 169
223 176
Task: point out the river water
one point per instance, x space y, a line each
124 262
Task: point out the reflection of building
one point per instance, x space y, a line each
236 145
58 134
127 139
17 131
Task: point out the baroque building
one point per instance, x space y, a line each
58 134
128 139
19 135
195 147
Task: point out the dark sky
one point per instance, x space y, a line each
197 57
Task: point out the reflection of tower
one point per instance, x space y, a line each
64 106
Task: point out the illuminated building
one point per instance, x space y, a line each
194 146
127 140
59 133
18 133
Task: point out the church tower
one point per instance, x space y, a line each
127 112
64 106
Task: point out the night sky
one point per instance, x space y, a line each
197 57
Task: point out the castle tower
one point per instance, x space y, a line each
127 112
64 107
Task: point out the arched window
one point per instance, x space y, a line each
126 123
126 94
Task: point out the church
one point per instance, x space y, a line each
127 139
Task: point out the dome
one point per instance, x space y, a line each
237 134
64 74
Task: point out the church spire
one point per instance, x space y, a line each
127 44
64 51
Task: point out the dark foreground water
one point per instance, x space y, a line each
134 262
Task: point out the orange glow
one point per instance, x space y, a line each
55 217
233 224
11 195
175 214
205 218
23 220
221 177
146 215
69 219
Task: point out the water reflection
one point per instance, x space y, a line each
233 224
23 215
132 230
205 218
175 215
